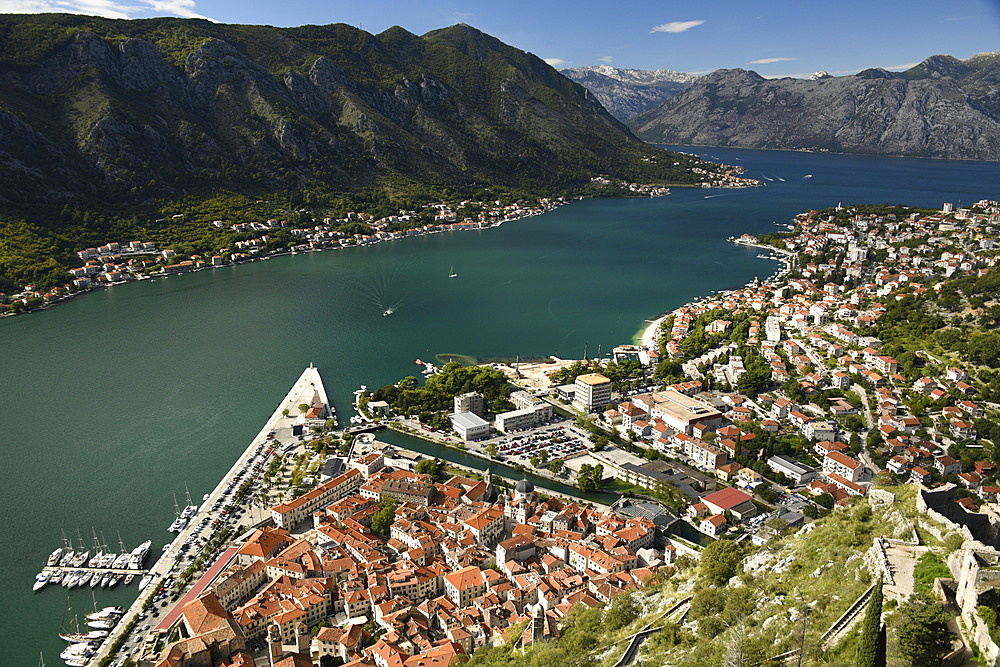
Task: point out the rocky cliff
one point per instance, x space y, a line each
627 92
122 111
943 107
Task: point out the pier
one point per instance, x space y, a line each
306 389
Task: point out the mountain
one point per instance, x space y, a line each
943 108
627 92
122 111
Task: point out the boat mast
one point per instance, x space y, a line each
187 494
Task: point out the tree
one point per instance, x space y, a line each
491 449
623 610
384 516
922 630
303 408
556 467
871 643
720 561
432 467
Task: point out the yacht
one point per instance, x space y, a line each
103 623
145 581
40 580
106 613
138 555
451 272
54 557
56 577
387 312
129 578
77 654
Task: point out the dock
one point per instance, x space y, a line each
308 387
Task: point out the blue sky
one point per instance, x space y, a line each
775 37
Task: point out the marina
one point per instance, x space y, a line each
103 569
219 508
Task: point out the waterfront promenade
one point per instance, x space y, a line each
308 386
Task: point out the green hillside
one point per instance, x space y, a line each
103 121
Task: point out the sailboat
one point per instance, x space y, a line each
190 509
74 635
451 272
179 521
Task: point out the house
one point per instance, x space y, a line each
713 525
947 465
919 476
897 464
737 502
962 430
843 465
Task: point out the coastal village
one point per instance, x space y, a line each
115 263
754 412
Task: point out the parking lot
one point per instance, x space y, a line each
558 440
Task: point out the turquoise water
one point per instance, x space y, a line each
111 402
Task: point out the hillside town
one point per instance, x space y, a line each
838 410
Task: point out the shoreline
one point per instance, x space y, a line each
546 208
648 336
817 152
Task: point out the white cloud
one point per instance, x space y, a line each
676 26
607 59
554 61
767 61
112 9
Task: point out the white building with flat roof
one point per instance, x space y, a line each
799 473
593 392
469 425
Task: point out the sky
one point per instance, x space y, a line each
773 37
